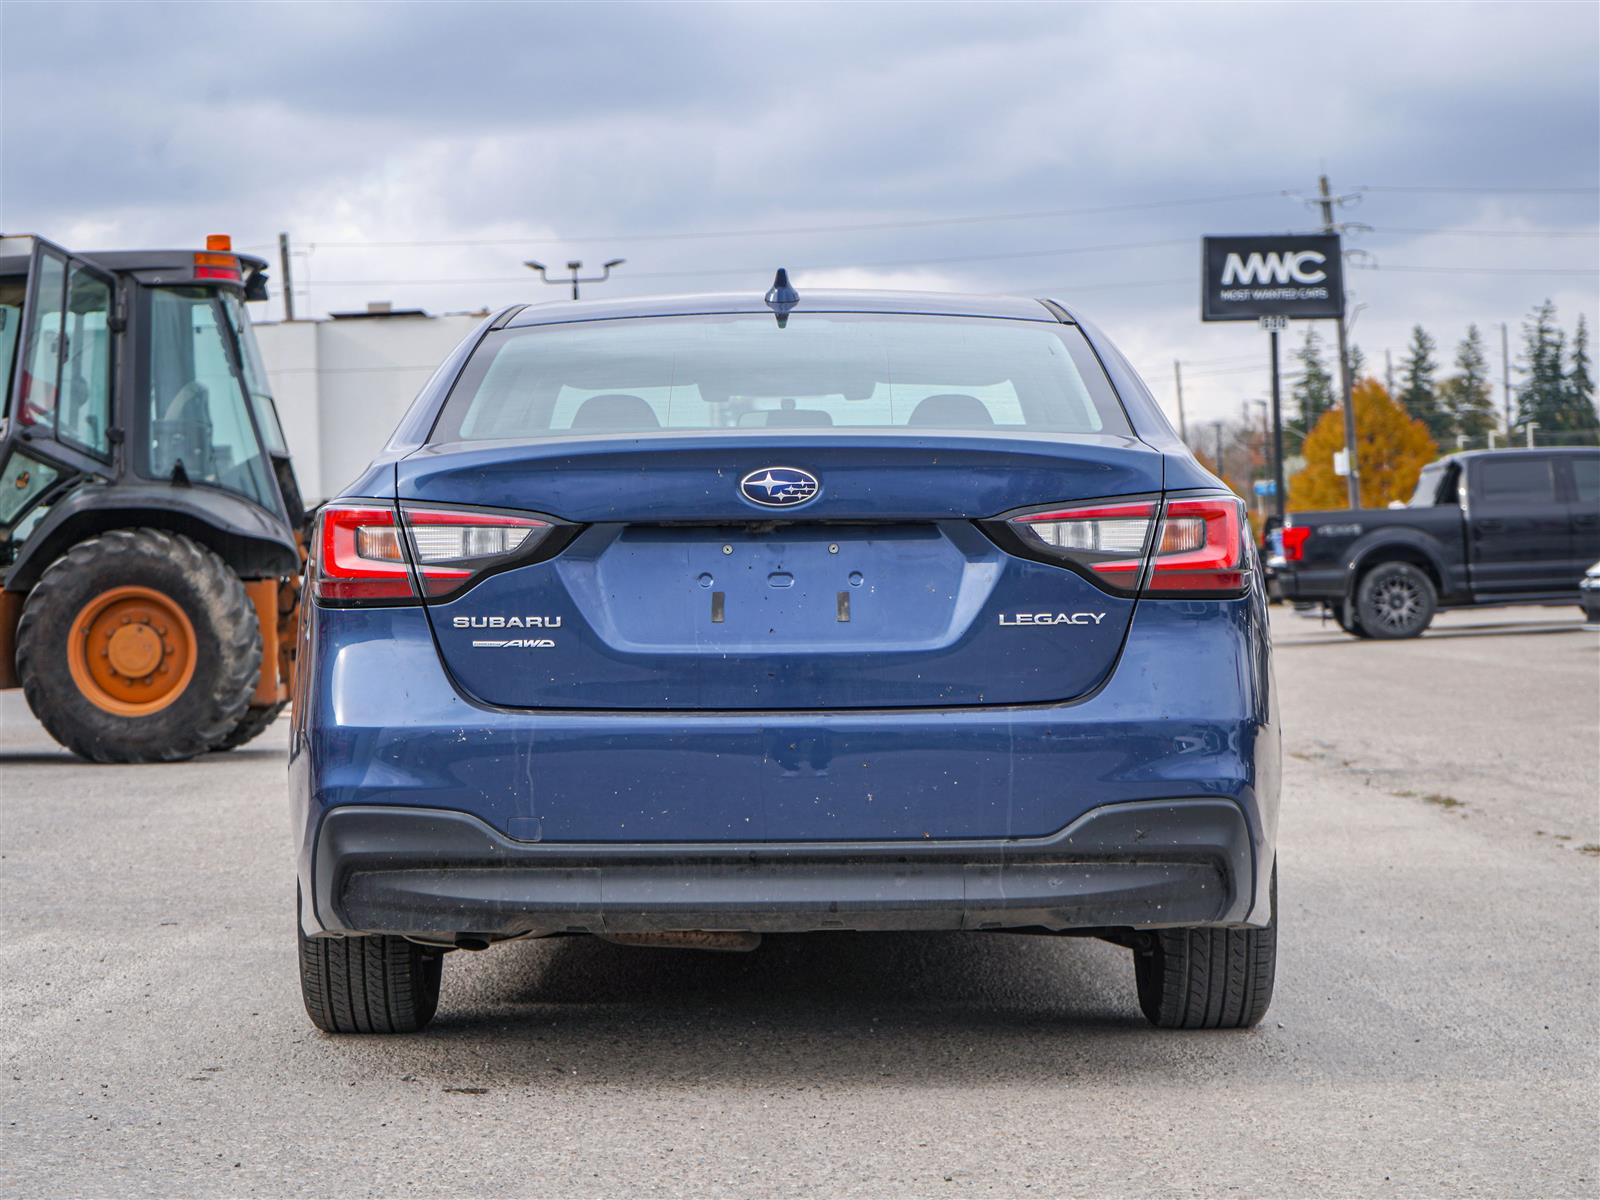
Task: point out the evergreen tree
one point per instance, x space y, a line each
1580 383
1313 391
1467 397
1546 396
1418 395
1358 363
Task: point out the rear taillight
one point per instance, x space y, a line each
1294 542
1201 550
359 555
1185 546
1110 540
369 554
451 545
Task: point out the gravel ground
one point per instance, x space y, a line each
1435 1030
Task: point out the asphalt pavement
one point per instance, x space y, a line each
1436 1029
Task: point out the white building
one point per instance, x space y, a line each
343 383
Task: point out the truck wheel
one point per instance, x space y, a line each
368 984
1395 600
1209 978
257 719
138 646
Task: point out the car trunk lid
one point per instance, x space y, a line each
881 591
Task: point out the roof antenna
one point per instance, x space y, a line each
781 297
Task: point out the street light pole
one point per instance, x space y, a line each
1505 375
575 266
1183 425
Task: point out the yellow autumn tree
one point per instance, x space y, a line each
1391 447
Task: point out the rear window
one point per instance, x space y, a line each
1586 478
742 372
1514 480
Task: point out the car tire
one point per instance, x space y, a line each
1395 600
1208 978
138 645
257 719
373 984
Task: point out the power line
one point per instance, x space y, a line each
1471 190
859 227
1073 289
1479 270
848 266
1063 288
1511 233
1228 360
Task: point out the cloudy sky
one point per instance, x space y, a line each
420 152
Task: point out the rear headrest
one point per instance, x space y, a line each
615 410
799 416
951 410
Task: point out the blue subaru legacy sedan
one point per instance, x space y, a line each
682 621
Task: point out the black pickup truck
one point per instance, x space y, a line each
1483 527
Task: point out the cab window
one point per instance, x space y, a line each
199 418
255 375
84 402
37 385
1586 479
12 292
64 389
1514 482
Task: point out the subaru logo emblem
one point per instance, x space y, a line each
778 487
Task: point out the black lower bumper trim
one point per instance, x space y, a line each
433 873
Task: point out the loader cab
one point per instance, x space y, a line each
136 406
139 369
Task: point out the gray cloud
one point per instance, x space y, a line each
137 122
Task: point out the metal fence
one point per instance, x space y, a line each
1525 437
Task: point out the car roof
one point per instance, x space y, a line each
1014 308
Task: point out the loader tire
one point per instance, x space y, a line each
257 719
138 645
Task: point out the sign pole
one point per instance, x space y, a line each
1277 434
1270 278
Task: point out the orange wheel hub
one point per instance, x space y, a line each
131 651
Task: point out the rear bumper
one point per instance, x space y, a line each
437 873
1313 583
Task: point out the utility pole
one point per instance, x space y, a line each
1218 426
1183 426
1354 478
288 280
1388 372
1505 373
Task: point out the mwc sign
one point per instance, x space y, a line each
1286 275
1263 269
